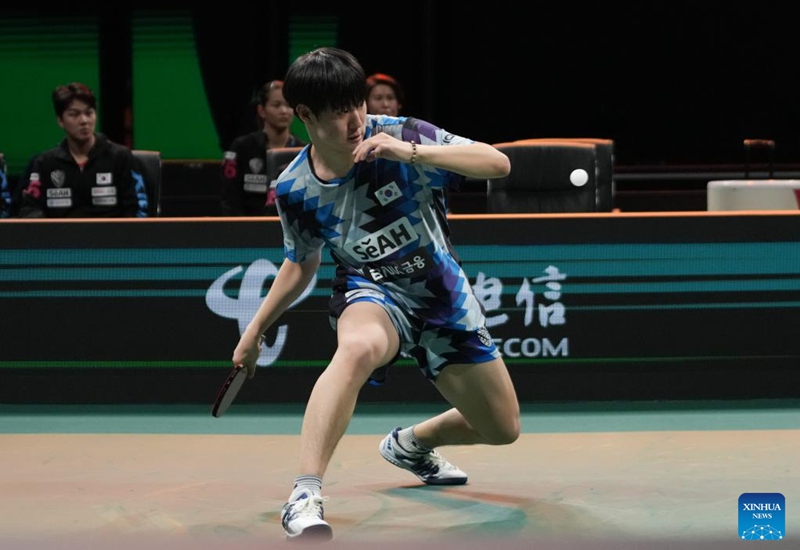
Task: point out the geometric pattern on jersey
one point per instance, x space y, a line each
432 347
380 225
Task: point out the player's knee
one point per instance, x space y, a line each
505 433
360 352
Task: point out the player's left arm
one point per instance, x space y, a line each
476 159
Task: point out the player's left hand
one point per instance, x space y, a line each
383 146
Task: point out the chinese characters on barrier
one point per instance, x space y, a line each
548 309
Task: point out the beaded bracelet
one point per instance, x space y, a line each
413 153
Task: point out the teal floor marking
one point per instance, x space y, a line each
378 419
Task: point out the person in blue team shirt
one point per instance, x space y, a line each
363 188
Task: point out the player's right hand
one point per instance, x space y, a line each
247 352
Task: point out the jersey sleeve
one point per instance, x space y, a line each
425 133
298 241
298 245
299 211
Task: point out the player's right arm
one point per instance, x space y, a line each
290 282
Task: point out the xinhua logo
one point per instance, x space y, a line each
762 516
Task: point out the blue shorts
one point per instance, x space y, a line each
432 347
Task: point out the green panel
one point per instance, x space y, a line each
170 108
305 34
309 32
37 54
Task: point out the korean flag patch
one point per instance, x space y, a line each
104 178
388 193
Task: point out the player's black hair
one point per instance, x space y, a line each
325 79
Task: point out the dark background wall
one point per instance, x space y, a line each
671 82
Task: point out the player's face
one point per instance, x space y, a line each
342 130
78 121
382 101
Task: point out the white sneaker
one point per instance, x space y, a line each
302 518
430 467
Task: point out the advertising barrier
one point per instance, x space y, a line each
593 306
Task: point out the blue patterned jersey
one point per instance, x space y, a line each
381 225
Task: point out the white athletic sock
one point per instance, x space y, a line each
409 443
306 483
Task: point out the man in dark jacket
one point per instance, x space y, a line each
86 175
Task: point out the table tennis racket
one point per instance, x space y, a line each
229 390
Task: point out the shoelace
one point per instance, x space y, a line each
428 464
308 506
425 464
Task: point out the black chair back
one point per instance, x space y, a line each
546 177
150 165
606 186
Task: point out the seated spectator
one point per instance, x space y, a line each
86 175
245 189
384 95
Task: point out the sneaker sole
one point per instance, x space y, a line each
390 458
314 533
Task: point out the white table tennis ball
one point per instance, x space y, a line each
579 177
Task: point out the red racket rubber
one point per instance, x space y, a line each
229 390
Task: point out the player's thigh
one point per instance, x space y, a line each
365 333
484 394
